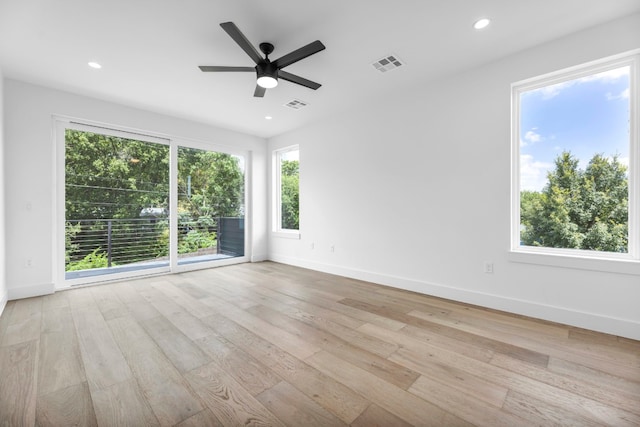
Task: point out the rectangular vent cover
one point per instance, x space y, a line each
387 63
296 104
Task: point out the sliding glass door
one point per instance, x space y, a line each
116 203
210 206
135 204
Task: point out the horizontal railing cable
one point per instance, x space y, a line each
119 241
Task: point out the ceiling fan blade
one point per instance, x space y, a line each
242 41
297 79
298 54
209 68
259 92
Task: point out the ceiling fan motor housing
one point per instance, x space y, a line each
267 68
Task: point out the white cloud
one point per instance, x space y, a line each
533 174
552 91
291 155
532 136
622 160
622 95
610 76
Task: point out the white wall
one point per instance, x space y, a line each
414 192
29 155
3 283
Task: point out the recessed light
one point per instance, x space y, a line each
95 65
481 23
268 117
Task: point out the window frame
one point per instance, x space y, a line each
628 263
277 229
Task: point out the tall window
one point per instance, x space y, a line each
286 190
575 161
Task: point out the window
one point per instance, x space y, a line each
575 162
286 191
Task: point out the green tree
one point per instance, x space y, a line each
579 209
210 184
111 177
290 194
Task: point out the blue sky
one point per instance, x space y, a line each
585 116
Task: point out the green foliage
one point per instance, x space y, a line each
217 184
578 209
111 177
70 232
290 194
92 260
196 239
116 178
188 241
161 246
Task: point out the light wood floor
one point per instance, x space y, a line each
269 344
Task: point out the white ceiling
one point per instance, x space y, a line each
150 49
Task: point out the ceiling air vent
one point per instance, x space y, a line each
296 104
387 63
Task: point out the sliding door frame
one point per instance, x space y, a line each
200 145
60 124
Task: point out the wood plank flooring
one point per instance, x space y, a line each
274 345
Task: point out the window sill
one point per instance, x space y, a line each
293 234
607 265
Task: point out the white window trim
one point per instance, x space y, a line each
628 263
277 230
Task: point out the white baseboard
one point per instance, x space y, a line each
30 291
3 302
595 322
259 257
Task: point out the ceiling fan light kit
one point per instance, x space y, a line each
267 72
267 82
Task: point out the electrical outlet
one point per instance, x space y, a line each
312 245
28 263
333 248
488 267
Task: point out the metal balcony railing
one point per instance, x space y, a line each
97 243
105 243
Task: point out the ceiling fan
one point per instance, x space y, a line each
267 71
